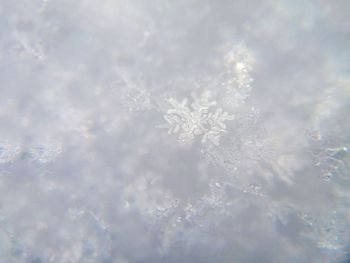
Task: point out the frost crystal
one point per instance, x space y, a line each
197 120
8 152
332 161
331 233
134 95
239 64
137 100
44 153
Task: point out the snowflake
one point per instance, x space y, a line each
198 119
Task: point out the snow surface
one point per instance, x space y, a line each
145 131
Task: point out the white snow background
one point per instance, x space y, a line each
145 131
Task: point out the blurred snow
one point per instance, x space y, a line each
174 131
